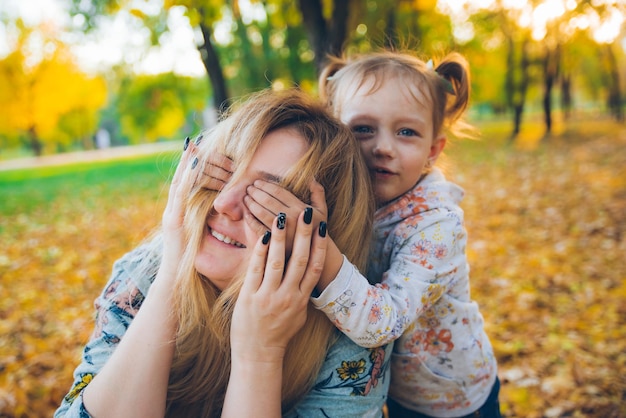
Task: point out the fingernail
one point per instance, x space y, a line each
266 237
308 215
198 139
282 220
194 163
322 230
186 144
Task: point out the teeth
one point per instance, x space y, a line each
226 239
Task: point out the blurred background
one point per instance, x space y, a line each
96 97
80 74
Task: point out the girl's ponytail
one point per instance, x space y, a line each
325 86
454 69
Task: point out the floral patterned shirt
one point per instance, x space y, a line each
442 363
353 381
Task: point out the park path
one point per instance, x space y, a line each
91 155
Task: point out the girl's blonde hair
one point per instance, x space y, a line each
201 364
447 85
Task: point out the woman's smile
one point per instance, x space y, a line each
225 239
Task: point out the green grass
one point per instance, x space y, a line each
27 190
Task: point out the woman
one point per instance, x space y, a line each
168 351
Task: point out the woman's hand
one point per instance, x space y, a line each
265 200
272 303
172 220
270 310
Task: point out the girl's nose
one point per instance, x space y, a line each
383 146
229 201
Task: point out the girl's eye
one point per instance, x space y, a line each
362 130
408 132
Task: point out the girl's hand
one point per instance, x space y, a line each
265 200
272 303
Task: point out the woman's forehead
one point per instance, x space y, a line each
278 152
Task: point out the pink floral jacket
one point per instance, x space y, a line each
442 363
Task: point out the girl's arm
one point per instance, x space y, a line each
270 309
373 315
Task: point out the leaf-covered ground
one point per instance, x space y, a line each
547 228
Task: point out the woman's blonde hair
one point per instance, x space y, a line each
201 364
447 85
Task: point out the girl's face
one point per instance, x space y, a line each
228 240
394 128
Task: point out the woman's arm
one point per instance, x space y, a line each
270 310
133 381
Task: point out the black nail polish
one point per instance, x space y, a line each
194 163
186 144
266 237
322 230
282 220
308 215
198 139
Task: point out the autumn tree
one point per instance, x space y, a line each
152 107
326 27
48 103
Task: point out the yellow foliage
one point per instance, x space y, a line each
169 122
35 98
547 238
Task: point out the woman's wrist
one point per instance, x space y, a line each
255 356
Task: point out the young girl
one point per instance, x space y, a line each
398 107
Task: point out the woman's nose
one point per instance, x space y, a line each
229 201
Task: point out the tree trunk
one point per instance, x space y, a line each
519 100
615 98
326 38
211 62
293 63
391 36
566 95
34 142
509 81
551 71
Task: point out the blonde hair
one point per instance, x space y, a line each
201 364
447 85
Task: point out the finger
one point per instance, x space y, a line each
217 171
300 260
275 266
221 161
174 190
254 224
275 194
317 259
184 158
318 196
256 268
263 215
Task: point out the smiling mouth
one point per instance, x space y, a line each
381 171
225 239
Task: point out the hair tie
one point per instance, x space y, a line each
447 85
